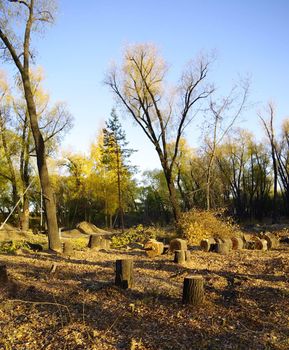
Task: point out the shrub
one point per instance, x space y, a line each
12 246
196 225
138 234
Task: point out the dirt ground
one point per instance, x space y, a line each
246 302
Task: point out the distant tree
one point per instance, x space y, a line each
221 117
141 88
33 14
270 132
116 157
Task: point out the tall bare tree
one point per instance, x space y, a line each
139 84
17 47
224 114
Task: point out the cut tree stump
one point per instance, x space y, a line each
180 256
237 243
188 255
223 248
261 244
124 277
207 245
67 248
193 290
98 242
272 240
153 248
3 275
178 244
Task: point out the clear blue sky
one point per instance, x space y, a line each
250 37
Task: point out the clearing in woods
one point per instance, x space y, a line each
78 306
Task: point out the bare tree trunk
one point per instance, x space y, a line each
48 194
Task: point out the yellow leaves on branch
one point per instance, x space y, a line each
143 70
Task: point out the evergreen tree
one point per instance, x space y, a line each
116 156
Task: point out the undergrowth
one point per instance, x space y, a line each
199 224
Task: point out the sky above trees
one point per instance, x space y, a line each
248 37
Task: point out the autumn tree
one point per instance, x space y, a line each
163 114
16 47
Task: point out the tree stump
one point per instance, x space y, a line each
67 248
193 290
178 244
237 243
272 240
180 256
223 248
3 275
188 255
98 242
207 244
124 277
261 244
153 248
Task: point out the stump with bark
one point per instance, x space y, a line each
3 275
223 248
261 244
272 240
178 244
207 245
193 290
153 248
237 243
124 277
98 242
180 256
67 248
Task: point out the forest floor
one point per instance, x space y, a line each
78 307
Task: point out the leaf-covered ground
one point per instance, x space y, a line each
78 307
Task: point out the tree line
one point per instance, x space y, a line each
230 169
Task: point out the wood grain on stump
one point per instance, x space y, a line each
3 275
178 244
193 290
124 276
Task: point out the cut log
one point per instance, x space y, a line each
229 242
98 242
261 244
207 244
124 277
272 240
223 248
180 256
3 275
237 243
67 248
153 248
193 290
178 244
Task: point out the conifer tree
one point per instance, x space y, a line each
116 156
